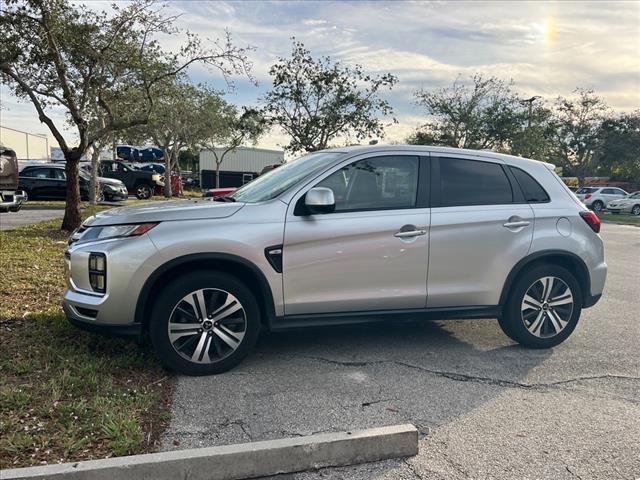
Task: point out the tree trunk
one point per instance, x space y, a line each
72 218
95 167
217 175
167 172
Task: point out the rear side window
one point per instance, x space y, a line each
472 182
586 190
531 189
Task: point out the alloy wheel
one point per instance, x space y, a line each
635 210
207 325
547 307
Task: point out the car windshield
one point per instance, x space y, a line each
634 195
586 190
277 181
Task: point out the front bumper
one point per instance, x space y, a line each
83 323
619 208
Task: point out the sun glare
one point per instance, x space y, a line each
549 31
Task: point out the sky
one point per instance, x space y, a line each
546 48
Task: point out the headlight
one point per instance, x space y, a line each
107 186
92 234
155 177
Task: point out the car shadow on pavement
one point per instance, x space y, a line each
342 378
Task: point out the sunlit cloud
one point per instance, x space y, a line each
547 48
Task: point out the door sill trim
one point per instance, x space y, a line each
288 322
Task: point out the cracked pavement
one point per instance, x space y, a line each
484 407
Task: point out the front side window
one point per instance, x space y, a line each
608 191
472 182
378 183
58 173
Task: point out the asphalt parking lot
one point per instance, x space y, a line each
485 407
27 216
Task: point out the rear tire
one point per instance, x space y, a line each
143 191
543 308
195 344
597 206
635 210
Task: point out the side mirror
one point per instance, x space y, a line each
320 200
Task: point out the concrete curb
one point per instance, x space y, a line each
247 460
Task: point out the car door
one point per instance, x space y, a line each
480 228
58 183
40 183
371 253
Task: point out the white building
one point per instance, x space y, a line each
238 167
28 146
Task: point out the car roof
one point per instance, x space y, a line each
511 159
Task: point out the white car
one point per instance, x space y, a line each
629 204
597 198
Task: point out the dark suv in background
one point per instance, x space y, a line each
49 181
140 183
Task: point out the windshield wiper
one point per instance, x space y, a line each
224 199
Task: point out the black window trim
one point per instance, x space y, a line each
436 187
423 194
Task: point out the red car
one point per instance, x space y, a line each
218 192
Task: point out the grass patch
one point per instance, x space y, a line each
620 219
66 395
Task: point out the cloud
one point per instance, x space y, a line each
547 48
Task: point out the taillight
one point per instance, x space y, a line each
587 196
592 220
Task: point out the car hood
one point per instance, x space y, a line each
110 181
164 211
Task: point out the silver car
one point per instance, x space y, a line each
349 235
629 204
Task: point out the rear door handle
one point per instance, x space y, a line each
517 224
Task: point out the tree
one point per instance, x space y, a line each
59 56
618 153
576 127
483 114
229 130
317 100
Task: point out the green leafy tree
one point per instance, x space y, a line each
618 153
316 101
576 132
229 129
73 59
483 114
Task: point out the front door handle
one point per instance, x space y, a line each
408 231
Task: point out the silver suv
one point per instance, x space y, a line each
342 236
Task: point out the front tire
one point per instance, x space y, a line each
204 323
635 210
543 308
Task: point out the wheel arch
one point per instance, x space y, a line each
568 260
237 266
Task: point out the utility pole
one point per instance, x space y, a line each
530 102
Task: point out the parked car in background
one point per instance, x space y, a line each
49 181
218 192
342 236
140 183
597 198
11 198
629 204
